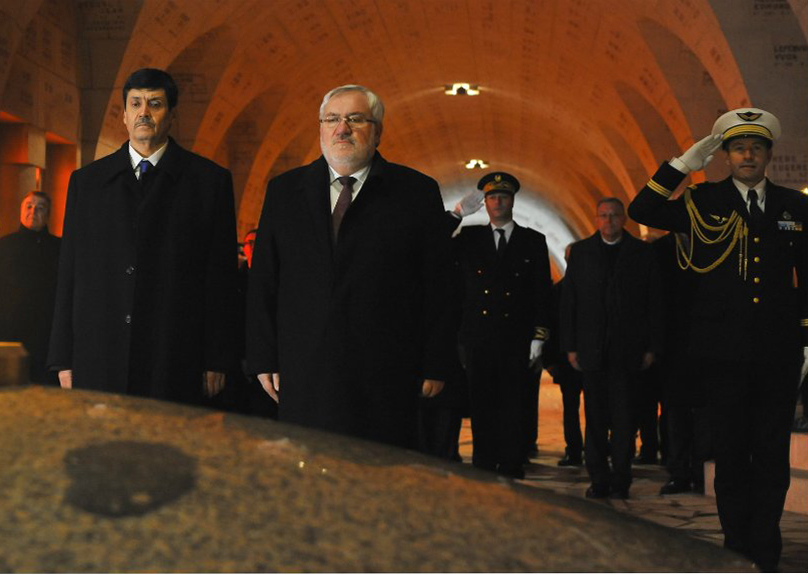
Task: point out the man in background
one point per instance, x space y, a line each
28 262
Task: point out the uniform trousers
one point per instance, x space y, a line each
498 378
608 407
752 406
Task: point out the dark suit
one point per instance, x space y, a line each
611 316
352 328
28 263
146 290
506 304
745 323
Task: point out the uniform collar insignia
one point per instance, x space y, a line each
786 216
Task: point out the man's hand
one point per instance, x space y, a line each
535 353
470 203
804 365
647 360
66 379
431 388
572 357
212 383
271 382
700 154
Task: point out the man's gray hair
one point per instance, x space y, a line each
375 103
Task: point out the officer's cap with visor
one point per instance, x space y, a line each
498 183
746 123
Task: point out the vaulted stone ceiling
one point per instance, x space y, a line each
579 98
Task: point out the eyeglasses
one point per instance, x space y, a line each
354 121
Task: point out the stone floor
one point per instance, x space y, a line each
690 512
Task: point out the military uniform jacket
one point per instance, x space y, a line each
147 275
620 314
745 301
352 328
508 300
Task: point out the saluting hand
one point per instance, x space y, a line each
701 153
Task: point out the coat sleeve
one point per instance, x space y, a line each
221 281
262 295
543 291
651 206
656 304
60 354
569 305
436 273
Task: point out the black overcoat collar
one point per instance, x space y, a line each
172 162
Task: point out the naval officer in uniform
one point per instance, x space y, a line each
507 298
748 316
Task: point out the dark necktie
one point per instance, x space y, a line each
755 213
501 243
343 201
145 166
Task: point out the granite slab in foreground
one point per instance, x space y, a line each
92 482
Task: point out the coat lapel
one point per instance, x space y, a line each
316 193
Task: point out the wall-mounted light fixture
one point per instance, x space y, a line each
805 190
476 164
461 89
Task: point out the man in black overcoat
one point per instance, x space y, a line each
146 290
507 301
28 261
748 319
348 313
611 330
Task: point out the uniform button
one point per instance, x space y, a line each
479 272
756 240
130 270
757 280
128 318
485 312
757 260
516 274
507 315
755 300
507 294
485 291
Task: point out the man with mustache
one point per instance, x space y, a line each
146 290
748 320
348 310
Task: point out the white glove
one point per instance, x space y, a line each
470 203
535 352
804 369
698 156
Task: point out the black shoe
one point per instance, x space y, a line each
597 491
675 486
515 472
619 493
568 461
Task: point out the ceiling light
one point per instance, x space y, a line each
461 89
476 164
